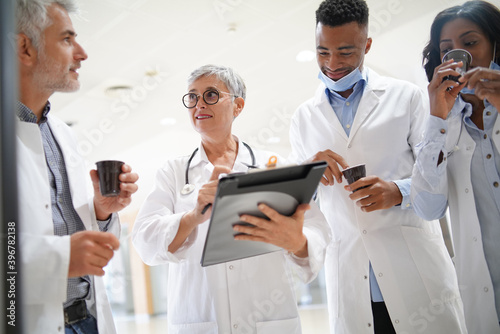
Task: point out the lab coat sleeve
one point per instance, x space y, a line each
430 182
157 223
318 234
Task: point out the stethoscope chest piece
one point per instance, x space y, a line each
187 189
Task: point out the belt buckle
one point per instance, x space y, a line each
79 309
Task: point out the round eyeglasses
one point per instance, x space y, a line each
210 96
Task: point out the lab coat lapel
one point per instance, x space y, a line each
75 168
374 90
328 117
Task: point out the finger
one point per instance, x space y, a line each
249 230
219 170
328 177
249 237
269 212
301 211
105 238
128 177
127 189
94 176
255 221
99 260
126 168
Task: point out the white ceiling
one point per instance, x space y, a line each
129 41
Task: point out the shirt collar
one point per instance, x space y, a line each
25 114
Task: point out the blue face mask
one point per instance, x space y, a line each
493 66
342 84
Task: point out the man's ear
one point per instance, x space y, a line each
26 52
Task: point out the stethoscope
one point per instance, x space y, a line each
189 188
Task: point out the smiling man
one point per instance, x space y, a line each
387 270
66 238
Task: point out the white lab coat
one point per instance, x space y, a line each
45 256
472 270
253 295
408 255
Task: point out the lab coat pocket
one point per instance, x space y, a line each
433 263
288 326
332 277
196 328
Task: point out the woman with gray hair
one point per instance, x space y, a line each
244 296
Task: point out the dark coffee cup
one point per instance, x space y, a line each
458 55
108 171
354 173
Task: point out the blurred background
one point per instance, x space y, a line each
129 107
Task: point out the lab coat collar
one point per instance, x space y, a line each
374 88
243 156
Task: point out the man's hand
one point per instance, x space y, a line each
90 252
105 206
332 172
279 230
377 195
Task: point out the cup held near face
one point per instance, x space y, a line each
108 171
458 55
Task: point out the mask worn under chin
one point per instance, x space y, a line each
342 84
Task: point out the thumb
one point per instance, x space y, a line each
94 176
301 211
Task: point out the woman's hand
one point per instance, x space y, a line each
195 217
206 195
486 83
441 97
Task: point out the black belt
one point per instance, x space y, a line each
76 312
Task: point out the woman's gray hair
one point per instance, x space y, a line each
32 17
227 75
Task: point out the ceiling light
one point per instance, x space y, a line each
305 56
118 91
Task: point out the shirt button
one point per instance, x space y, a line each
488 113
46 206
497 132
347 103
369 324
486 289
366 277
443 131
231 267
235 326
466 190
348 126
59 328
396 321
475 238
408 205
364 232
488 156
485 136
495 184
380 275
349 146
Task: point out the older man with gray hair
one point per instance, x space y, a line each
65 237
